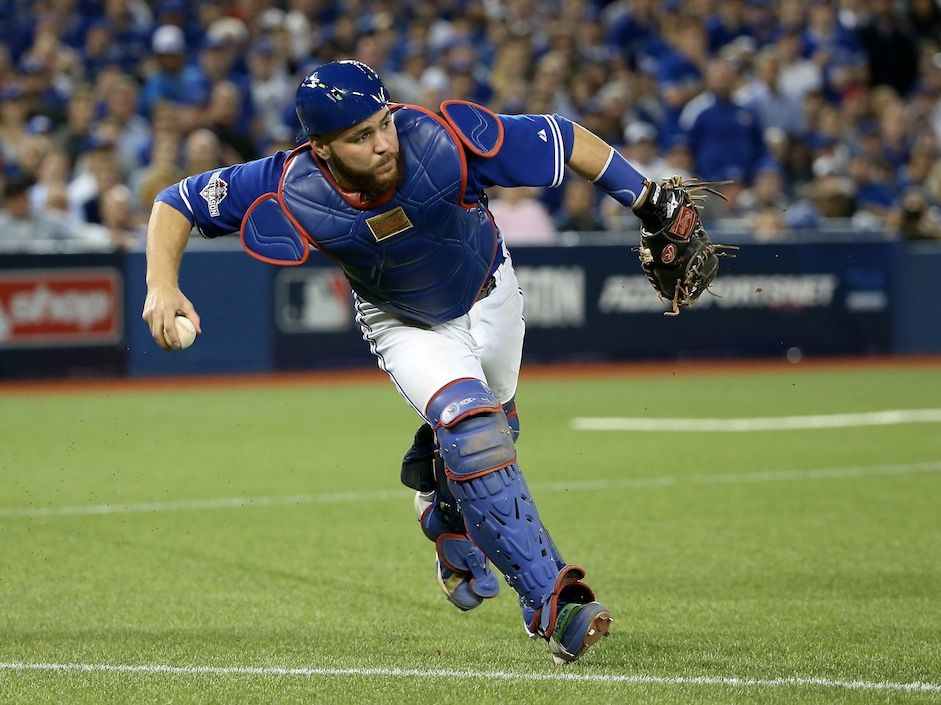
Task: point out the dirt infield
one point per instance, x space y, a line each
663 368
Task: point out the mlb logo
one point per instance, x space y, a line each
313 300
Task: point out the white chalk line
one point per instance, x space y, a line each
766 423
566 676
850 472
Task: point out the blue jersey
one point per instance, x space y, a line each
534 151
423 252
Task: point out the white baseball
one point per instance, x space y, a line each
186 330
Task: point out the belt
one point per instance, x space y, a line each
487 288
491 282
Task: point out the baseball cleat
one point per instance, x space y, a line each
577 629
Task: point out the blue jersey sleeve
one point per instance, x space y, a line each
215 201
534 152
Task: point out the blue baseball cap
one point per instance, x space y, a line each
338 95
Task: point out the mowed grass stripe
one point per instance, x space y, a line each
892 417
464 674
843 473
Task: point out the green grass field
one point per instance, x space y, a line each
804 563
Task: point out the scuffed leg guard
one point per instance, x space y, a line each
558 607
462 570
500 515
502 519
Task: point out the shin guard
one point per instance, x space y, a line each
501 517
463 570
479 456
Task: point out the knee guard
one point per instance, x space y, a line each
479 456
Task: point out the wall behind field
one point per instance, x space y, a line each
79 314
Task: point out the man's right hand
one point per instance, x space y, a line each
162 305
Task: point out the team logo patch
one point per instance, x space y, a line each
684 223
389 224
668 254
214 193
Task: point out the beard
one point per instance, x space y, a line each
370 185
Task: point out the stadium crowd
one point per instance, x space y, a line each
813 109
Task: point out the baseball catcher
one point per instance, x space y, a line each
395 195
675 252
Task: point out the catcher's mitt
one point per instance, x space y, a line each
675 253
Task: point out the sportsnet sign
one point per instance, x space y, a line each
59 308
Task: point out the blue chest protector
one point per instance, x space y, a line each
421 253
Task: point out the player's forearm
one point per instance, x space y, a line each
167 234
594 159
589 153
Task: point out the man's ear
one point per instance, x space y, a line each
321 149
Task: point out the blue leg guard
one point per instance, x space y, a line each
479 456
462 570
476 445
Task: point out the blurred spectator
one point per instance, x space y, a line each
224 118
875 192
798 75
162 156
405 85
834 48
633 29
20 228
678 158
39 91
132 132
218 61
767 224
162 172
13 113
766 193
272 89
166 84
51 177
119 228
680 70
727 24
97 172
130 22
63 63
640 147
763 95
891 51
915 218
202 151
924 17
580 211
523 219
829 196
80 111
725 136
829 85
100 49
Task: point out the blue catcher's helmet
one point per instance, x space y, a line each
338 95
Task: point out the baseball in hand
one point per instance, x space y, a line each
186 330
